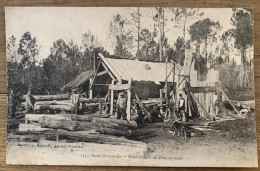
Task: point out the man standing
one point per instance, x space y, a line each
121 106
181 106
108 101
74 101
29 102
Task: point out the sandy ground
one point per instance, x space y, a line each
230 144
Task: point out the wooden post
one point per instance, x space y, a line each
161 102
120 80
128 112
112 100
91 89
173 88
100 107
57 136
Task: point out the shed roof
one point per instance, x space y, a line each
141 70
79 80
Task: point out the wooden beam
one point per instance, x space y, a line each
108 65
203 89
112 100
119 87
102 73
90 87
106 68
128 108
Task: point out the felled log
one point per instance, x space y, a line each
81 118
50 97
129 124
29 128
100 138
52 107
94 100
96 126
38 117
48 122
55 102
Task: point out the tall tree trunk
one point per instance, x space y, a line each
160 33
138 31
242 67
206 49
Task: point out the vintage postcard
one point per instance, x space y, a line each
130 86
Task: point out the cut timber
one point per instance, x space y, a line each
109 129
52 107
48 122
81 118
126 123
100 138
38 117
198 103
119 87
67 102
50 97
96 126
29 128
94 100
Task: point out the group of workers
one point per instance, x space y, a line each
153 115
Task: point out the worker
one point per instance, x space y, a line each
12 104
181 106
74 101
29 102
139 112
108 101
121 106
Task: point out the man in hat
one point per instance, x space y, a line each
74 101
121 106
29 102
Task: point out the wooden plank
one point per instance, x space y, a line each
108 65
106 68
203 89
102 73
112 100
50 97
198 103
128 108
119 87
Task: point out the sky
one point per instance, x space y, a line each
49 24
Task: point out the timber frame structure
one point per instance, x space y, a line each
199 98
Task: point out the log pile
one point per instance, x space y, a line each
87 127
61 103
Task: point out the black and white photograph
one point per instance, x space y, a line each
130 86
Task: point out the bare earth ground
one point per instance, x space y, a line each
221 143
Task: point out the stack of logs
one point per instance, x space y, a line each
61 103
87 128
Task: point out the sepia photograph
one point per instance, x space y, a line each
130 86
